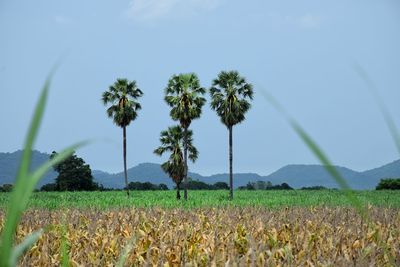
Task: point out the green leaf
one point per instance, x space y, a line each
24 246
24 186
64 247
319 154
16 207
125 252
381 104
35 177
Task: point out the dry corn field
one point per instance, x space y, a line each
215 237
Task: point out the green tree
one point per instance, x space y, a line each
146 186
122 96
389 184
229 98
185 97
163 187
6 188
73 174
172 141
199 185
49 187
221 186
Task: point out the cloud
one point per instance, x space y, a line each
150 10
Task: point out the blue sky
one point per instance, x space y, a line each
302 52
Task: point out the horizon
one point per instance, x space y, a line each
222 173
302 53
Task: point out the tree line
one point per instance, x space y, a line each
75 175
230 95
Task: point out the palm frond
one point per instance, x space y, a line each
229 97
172 141
184 96
123 96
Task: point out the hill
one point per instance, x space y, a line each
391 170
296 176
9 163
310 175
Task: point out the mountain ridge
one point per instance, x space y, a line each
296 175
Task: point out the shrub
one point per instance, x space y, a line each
146 186
220 186
389 184
49 187
317 187
6 188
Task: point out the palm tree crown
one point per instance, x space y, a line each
183 95
229 94
123 96
172 141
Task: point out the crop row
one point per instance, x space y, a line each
215 237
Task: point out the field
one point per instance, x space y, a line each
259 228
206 199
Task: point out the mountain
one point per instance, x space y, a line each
144 172
296 176
391 170
9 163
299 176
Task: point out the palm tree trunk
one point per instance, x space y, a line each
178 194
230 164
185 186
125 172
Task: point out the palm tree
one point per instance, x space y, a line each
122 96
172 141
229 95
184 95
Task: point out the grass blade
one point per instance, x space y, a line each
24 186
24 245
64 247
16 207
35 177
381 104
319 154
125 252
32 133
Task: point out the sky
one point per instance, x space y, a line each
301 52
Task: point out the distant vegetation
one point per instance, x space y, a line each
146 186
261 185
73 175
389 184
317 187
297 176
6 188
199 185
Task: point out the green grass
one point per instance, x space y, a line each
198 199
